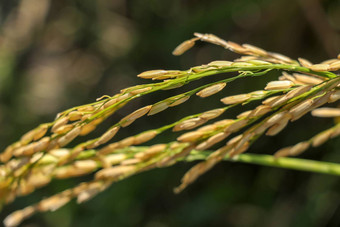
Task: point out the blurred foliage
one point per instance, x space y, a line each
57 54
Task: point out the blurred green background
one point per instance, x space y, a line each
58 54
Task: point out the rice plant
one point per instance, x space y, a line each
42 154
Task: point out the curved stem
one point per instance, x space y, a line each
268 160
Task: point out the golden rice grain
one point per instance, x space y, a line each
260 110
129 119
60 122
235 99
278 85
335 131
292 151
239 150
145 136
158 107
114 172
271 100
127 142
281 57
211 38
211 90
41 145
326 112
53 145
236 47
203 68
220 64
7 154
255 50
27 137
109 148
86 129
179 101
242 64
244 139
335 66
291 94
15 218
208 128
307 80
131 161
234 140
259 62
237 125
68 137
63 129
110 102
190 136
60 153
276 118
223 123
258 94
189 124
141 90
184 46
321 138
113 159
70 171
299 148
211 114
212 141
305 62
301 108
278 127
322 99
335 96
173 86
54 202
38 179
151 152
297 91
108 135
36 157
32 148
244 114
170 74
88 193
152 73
86 164
320 67
86 108
329 61
75 115
123 97
283 152
286 76
40 132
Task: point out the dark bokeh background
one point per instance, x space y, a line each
57 54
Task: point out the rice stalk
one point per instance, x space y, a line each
41 155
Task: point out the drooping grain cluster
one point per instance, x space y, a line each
41 154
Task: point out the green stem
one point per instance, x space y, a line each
269 160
